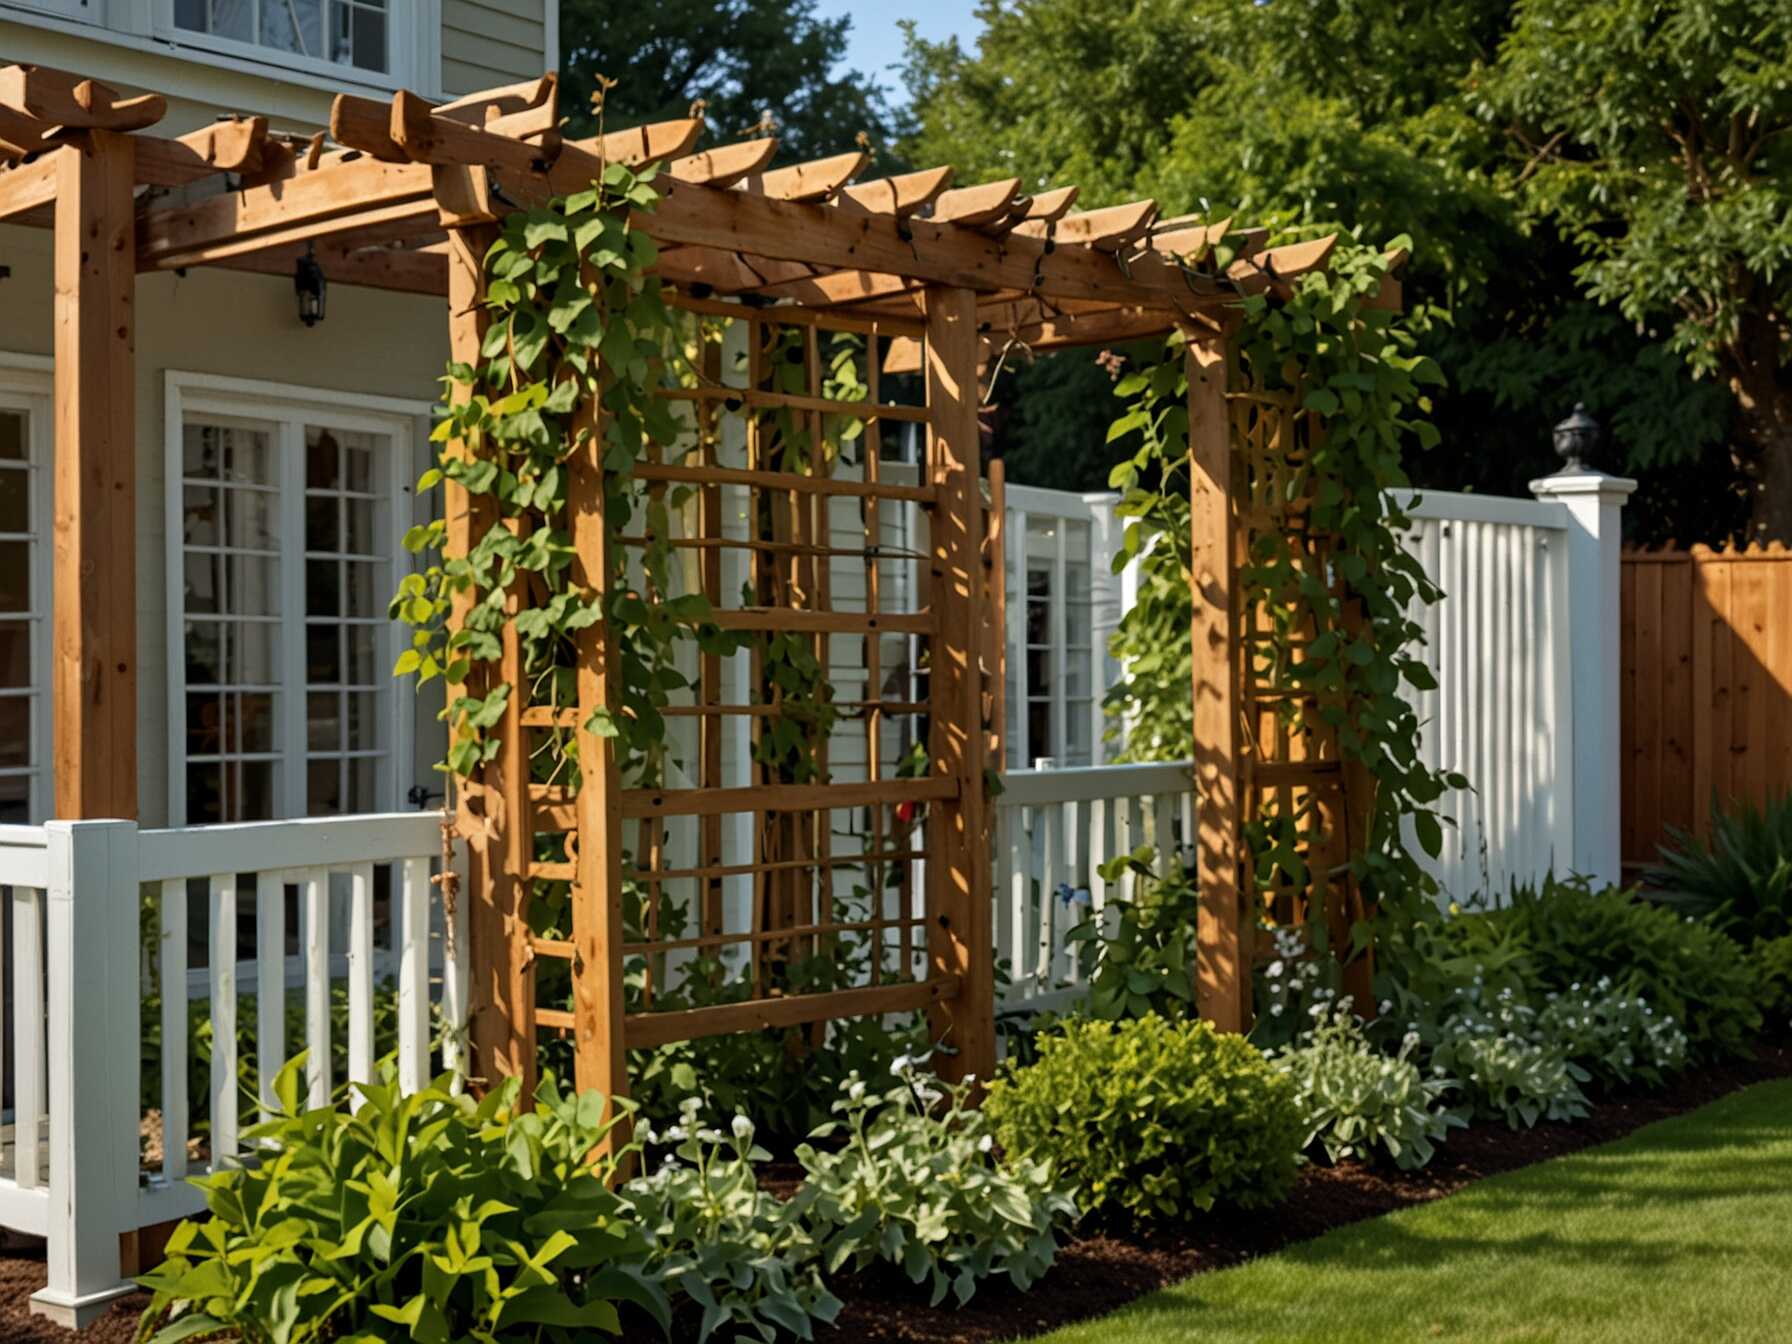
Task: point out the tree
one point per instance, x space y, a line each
1321 114
1656 135
754 63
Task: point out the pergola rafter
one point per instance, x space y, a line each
407 196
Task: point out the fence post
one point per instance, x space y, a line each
1595 502
95 1034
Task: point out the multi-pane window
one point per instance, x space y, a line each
347 582
230 527
287 533
354 33
1054 663
23 788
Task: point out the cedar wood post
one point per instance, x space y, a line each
1222 979
497 1011
960 902
94 569
600 1058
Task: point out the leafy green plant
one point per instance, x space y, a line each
742 1255
1771 962
1507 1076
1617 1038
1146 965
1740 880
1294 991
1152 1118
1358 1102
914 1183
431 1217
1574 934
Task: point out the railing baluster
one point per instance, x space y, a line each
270 984
223 1006
454 978
413 975
172 974
360 974
28 1036
318 1082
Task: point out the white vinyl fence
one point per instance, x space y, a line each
77 1166
1524 650
1053 831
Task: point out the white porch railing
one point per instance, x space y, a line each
1053 831
73 1168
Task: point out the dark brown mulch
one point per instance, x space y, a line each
1102 1271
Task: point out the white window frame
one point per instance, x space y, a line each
26 384
1024 505
412 34
291 408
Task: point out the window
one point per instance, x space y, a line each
24 600
354 33
288 522
1054 710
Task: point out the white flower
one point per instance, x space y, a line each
901 1065
742 1127
676 1134
856 1092
1277 1010
1275 969
710 1135
985 1143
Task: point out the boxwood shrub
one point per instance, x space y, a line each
1153 1118
1771 963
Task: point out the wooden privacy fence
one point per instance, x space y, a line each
1706 686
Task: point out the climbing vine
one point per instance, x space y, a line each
1349 364
579 343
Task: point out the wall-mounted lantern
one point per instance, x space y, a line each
309 284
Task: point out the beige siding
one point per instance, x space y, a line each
496 42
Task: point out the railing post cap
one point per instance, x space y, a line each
1567 484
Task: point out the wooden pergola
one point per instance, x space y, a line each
404 195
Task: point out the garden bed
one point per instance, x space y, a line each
1102 1271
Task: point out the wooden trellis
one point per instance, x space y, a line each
404 195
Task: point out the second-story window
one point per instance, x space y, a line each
342 32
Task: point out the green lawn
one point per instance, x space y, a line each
1681 1232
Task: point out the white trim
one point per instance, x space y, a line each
26 384
550 36
1452 506
286 407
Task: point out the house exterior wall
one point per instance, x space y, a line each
239 326
438 48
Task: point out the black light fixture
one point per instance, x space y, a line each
1577 438
309 284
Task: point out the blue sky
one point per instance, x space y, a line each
877 41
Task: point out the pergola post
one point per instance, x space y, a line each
958 870
94 567
1222 972
497 1007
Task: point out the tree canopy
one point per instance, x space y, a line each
1375 115
753 63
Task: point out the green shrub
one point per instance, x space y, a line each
1771 962
914 1184
1507 1068
1617 1038
1576 935
430 1217
1152 1117
1739 881
1147 964
1358 1102
742 1255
